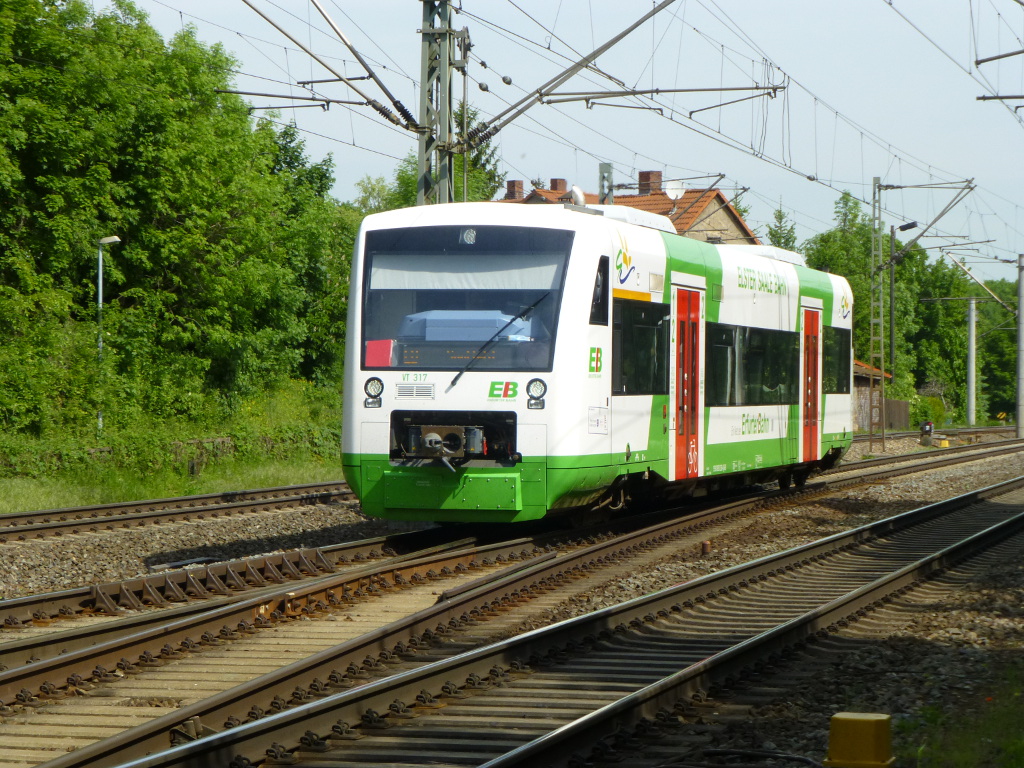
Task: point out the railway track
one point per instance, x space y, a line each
370 657
60 522
588 686
959 432
932 459
104 517
49 612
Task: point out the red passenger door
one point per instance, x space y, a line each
687 395
812 384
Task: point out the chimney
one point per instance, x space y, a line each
559 185
514 189
650 182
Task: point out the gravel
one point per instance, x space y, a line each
948 653
28 567
945 653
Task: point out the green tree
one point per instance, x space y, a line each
997 349
941 339
930 336
846 250
229 273
783 233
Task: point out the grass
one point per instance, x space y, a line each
990 735
104 485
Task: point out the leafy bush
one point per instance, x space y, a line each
296 418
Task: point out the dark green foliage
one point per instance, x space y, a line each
231 273
846 250
296 417
931 336
997 349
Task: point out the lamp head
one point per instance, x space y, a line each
109 240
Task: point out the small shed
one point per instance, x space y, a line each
897 412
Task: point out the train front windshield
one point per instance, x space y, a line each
442 298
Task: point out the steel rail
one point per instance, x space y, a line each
226 578
156 516
903 458
23 525
454 608
207 628
860 438
892 469
252 577
537 577
740 660
209 580
507 660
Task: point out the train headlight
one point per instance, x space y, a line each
373 388
536 390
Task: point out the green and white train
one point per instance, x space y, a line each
508 362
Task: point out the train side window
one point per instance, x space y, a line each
751 366
720 369
835 368
640 347
599 303
771 366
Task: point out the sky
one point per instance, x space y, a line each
865 89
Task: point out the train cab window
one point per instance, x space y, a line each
599 303
751 366
640 348
447 297
835 364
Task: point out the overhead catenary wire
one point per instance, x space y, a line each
780 154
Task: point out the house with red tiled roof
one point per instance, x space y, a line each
703 214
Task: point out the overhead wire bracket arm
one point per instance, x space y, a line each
370 101
321 99
398 105
486 130
592 104
979 62
330 80
964 188
580 95
967 272
770 94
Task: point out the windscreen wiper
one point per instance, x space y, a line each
521 315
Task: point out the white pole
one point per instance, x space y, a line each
1020 345
99 340
971 360
110 240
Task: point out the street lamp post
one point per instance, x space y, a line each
99 319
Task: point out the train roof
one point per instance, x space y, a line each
452 212
767 251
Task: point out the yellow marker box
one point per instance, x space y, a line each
859 740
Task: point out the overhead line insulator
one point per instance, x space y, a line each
405 113
384 111
481 132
